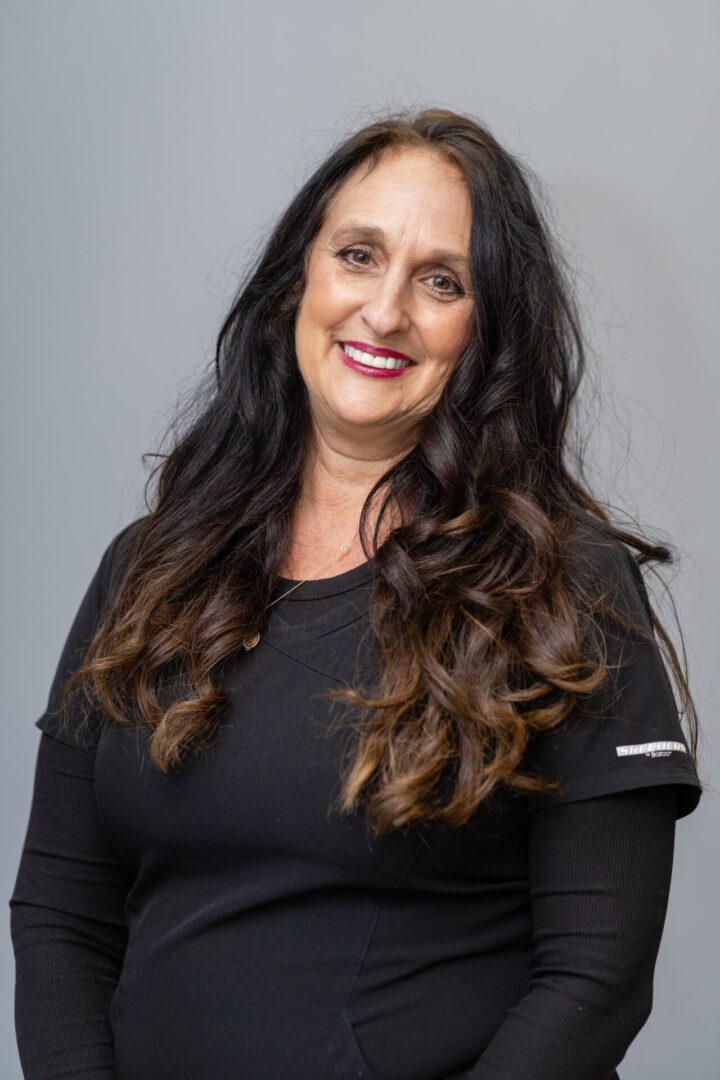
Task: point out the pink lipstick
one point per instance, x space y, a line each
375 350
373 372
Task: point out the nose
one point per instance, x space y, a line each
385 310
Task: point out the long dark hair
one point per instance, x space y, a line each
480 617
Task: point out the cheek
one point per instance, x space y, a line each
448 343
312 323
327 298
458 336
448 334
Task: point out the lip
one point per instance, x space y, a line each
374 350
373 373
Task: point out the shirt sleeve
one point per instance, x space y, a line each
80 727
599 879
67 923
627 733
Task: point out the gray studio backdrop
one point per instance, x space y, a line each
146 147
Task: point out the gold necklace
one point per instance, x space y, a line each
252 641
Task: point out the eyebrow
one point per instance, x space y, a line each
377 235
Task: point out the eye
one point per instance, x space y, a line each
346 252
455 288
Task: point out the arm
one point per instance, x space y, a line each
67 924
600 872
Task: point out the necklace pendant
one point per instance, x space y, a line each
251 642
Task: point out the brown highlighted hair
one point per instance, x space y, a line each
486 626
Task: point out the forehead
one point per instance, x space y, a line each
410 196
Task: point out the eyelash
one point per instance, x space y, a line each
457 289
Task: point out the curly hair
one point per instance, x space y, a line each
486 625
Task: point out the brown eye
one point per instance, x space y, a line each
346 252
455 286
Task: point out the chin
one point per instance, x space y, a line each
360 416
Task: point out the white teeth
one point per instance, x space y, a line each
375 361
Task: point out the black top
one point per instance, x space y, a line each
221 922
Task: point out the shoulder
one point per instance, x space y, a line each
119 552
608 567
63 723
593 547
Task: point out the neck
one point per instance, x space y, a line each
337 478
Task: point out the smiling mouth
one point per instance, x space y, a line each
379 360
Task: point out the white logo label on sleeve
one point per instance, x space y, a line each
651 749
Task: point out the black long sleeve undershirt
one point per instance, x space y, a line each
67 924
599 874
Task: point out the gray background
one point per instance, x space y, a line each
146 148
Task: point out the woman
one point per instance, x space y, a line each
381 765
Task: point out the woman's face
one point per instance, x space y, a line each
404 286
